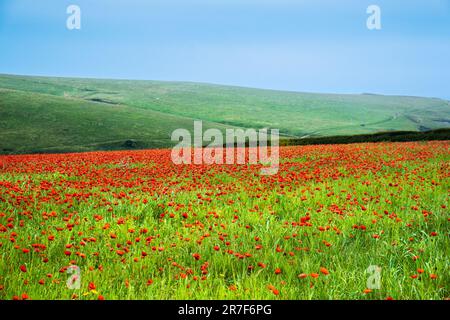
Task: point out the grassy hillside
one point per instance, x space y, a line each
65 114
36 122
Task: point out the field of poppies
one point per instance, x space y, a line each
335 220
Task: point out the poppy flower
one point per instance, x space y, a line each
23 268
366 291
324 271
433 276
277 271
314 275
302 275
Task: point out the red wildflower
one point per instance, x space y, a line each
324 271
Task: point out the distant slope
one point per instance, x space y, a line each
36 122
42 113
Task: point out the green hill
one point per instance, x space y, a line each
42 114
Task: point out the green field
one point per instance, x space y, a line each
137 226
41 114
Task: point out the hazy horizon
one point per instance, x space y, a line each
222 84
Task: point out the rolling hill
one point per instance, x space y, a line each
44 114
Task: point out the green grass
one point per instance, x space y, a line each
42 114
406 180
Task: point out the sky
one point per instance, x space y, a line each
296 45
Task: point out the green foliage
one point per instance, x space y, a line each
41 114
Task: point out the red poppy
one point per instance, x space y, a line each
91 286
23 268
324 271
277 271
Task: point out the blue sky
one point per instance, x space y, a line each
309 45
